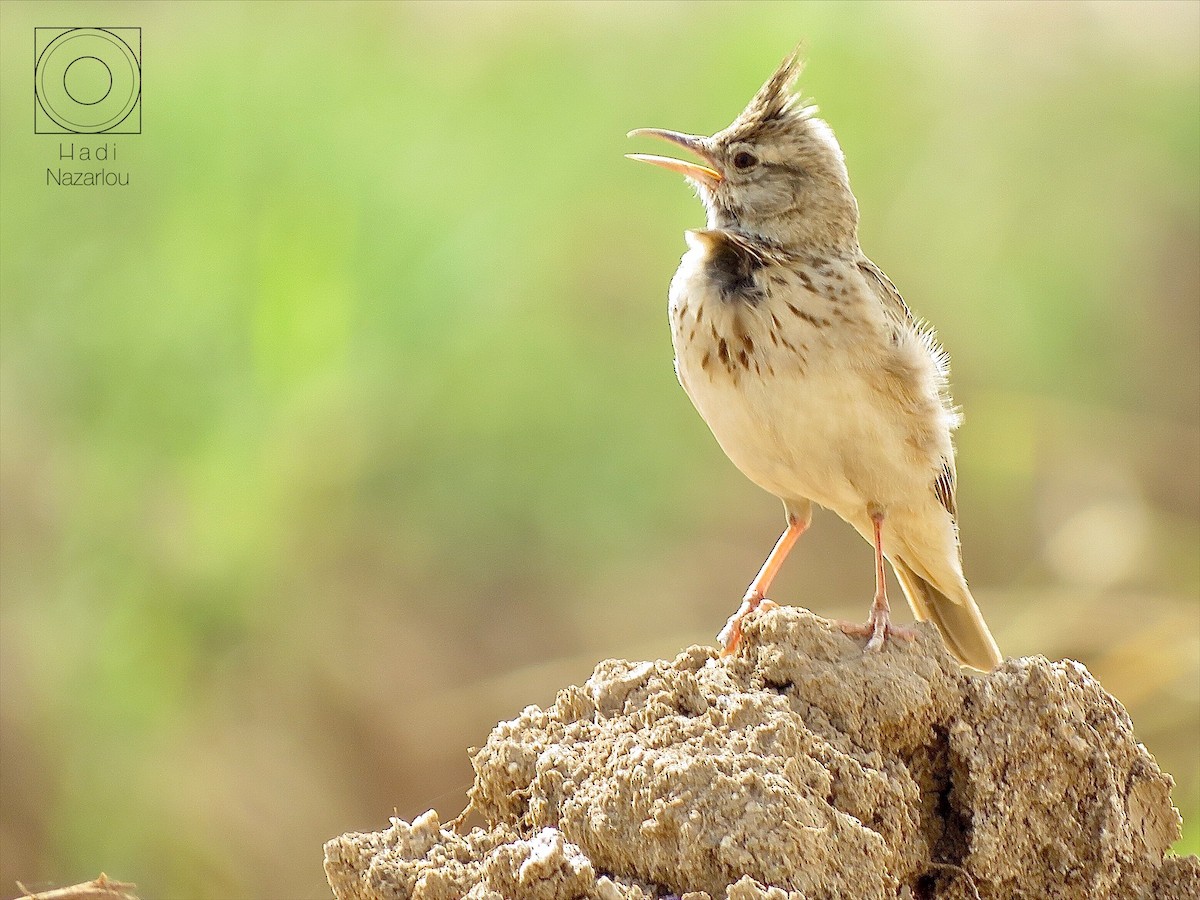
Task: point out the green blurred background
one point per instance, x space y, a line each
349 426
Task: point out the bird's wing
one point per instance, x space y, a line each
887 295
943 488
894 307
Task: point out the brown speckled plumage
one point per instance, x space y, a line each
808 366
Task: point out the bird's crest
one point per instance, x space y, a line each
774 105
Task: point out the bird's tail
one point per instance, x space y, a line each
960 622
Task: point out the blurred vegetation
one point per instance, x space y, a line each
350 427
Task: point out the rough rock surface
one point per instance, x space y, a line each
800 768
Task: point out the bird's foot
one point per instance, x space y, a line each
879 628
731 634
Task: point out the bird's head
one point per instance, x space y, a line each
776 171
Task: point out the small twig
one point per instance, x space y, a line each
102 888
458 821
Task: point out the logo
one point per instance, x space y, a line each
87 80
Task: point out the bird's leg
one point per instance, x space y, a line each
879 622
756 594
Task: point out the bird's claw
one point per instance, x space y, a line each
731 634
879 628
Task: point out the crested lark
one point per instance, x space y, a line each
809 368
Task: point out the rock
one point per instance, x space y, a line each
1045 744
800 768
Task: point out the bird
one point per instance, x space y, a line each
809 368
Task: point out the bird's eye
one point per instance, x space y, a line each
744 160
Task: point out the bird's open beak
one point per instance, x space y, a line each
709 176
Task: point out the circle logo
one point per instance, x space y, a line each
87 80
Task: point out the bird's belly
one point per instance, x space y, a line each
822 436
806 408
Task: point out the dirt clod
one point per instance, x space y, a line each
800 768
